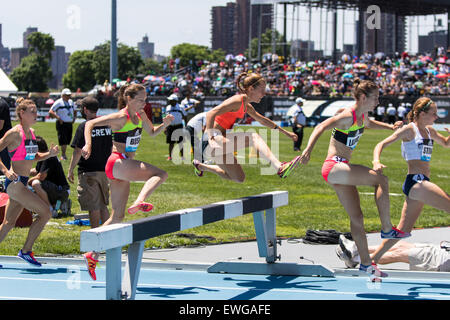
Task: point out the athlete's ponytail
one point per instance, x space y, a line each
244 81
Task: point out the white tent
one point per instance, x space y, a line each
6 85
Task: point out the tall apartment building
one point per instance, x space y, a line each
390 38
5 54
432 40
231 25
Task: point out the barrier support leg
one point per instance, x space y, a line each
132 268
113 274
265 229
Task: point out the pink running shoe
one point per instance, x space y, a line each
91 264
143 206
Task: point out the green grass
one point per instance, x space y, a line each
312 203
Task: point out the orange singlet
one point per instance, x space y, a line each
228 119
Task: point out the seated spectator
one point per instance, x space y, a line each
48 179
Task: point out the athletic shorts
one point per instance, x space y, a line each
93 190
64 131
411 180
428 257
110 163
22 179
329 164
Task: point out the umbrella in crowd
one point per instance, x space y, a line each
50 101
347 75
442 75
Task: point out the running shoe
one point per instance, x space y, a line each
395 234
373 272
143 206
29 257
91 264
197 171
346 251
287 167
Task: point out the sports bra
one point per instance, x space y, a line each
130 134
351 136
418 148
228 119
27 149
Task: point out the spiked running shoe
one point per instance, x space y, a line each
373 272
197 171
29 257
143 206
91 264
395 234
287 167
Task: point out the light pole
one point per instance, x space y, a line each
113 51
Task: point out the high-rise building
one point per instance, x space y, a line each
433 40
390 38
232 24
5 55
27 32
147 49
58 65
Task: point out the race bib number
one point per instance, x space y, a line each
427 150
352 141
133 139
31 149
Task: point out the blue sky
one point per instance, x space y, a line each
82 24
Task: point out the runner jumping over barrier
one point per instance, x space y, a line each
417 146
344 177
121 168
223 144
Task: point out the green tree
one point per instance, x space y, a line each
151 66
80 71
41 43
34 70
128 59
190 53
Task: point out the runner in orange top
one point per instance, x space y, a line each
223 144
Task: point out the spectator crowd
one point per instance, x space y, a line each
401 75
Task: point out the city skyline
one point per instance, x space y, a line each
81 25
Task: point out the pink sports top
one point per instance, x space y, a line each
228 119
27 149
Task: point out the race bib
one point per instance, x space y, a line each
133 139
31 149
352 141
427 149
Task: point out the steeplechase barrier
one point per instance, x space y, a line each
134 233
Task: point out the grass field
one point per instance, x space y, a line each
312 203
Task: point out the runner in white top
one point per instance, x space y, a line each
417 145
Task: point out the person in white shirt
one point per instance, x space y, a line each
179 114
64 113
298 121
196 126
391 113
380 113
401 112
189 105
